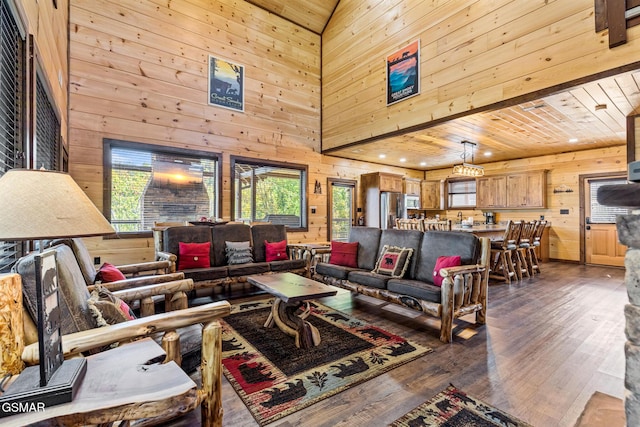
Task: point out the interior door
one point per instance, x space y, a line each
601 237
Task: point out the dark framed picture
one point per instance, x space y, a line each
226 84
403 73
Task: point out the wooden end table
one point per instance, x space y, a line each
292 292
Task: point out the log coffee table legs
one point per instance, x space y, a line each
284 316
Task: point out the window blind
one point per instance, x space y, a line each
601 214
11 111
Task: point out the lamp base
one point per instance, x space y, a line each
26 390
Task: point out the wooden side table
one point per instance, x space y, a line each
312 252
119 382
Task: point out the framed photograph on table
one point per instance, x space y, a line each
403 73
226 84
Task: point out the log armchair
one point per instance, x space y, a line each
154 393
82 311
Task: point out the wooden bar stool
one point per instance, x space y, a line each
502 253
522 254
533 256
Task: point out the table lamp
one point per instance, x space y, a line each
37 205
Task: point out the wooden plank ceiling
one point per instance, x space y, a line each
588 116
310 14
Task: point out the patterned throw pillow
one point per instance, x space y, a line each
238 252
393 261
107 308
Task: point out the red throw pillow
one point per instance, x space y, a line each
443 262
344 253
276 250
109 273
193 255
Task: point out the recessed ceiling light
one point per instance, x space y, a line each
382 156
488 153
423 163
572 140
402 160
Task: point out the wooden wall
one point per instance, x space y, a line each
563 172
473 54
139 73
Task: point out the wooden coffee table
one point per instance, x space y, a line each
292 293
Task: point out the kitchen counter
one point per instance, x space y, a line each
481 228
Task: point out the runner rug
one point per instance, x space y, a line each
274 378
455 408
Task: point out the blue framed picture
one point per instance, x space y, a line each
226 84
403 73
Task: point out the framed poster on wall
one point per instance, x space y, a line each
226 84
403 73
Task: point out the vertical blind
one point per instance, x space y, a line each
11 110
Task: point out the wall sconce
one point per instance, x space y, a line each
317 189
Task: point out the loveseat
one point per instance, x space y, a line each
398 266
235 251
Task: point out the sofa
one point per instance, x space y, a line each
463 289
218 269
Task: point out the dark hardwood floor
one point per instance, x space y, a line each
549 343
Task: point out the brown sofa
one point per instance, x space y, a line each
464 288
220 271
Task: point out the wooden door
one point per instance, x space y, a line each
601 236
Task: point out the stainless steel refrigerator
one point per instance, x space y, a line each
391 207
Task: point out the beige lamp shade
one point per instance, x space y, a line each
39 204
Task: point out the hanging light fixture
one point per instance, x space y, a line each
468 169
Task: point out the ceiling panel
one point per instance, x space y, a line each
594 114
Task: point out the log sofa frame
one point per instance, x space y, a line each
464 288
220 272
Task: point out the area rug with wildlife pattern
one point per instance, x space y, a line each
455 408
274 378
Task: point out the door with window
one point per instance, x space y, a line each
341 208
601 237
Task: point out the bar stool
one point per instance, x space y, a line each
522 254
537 237
502 253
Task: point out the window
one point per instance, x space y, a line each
146 184
12 96
461 193
601 214
47 131
269 192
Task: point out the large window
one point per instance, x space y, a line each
146 184
269 192
12 119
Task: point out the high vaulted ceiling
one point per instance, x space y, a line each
592 115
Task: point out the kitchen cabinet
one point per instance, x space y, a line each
412 187
430 192
388 181
527 190
491 192
520 190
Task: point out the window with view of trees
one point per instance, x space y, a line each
269 192
147 184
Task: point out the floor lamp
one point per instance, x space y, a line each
38 205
